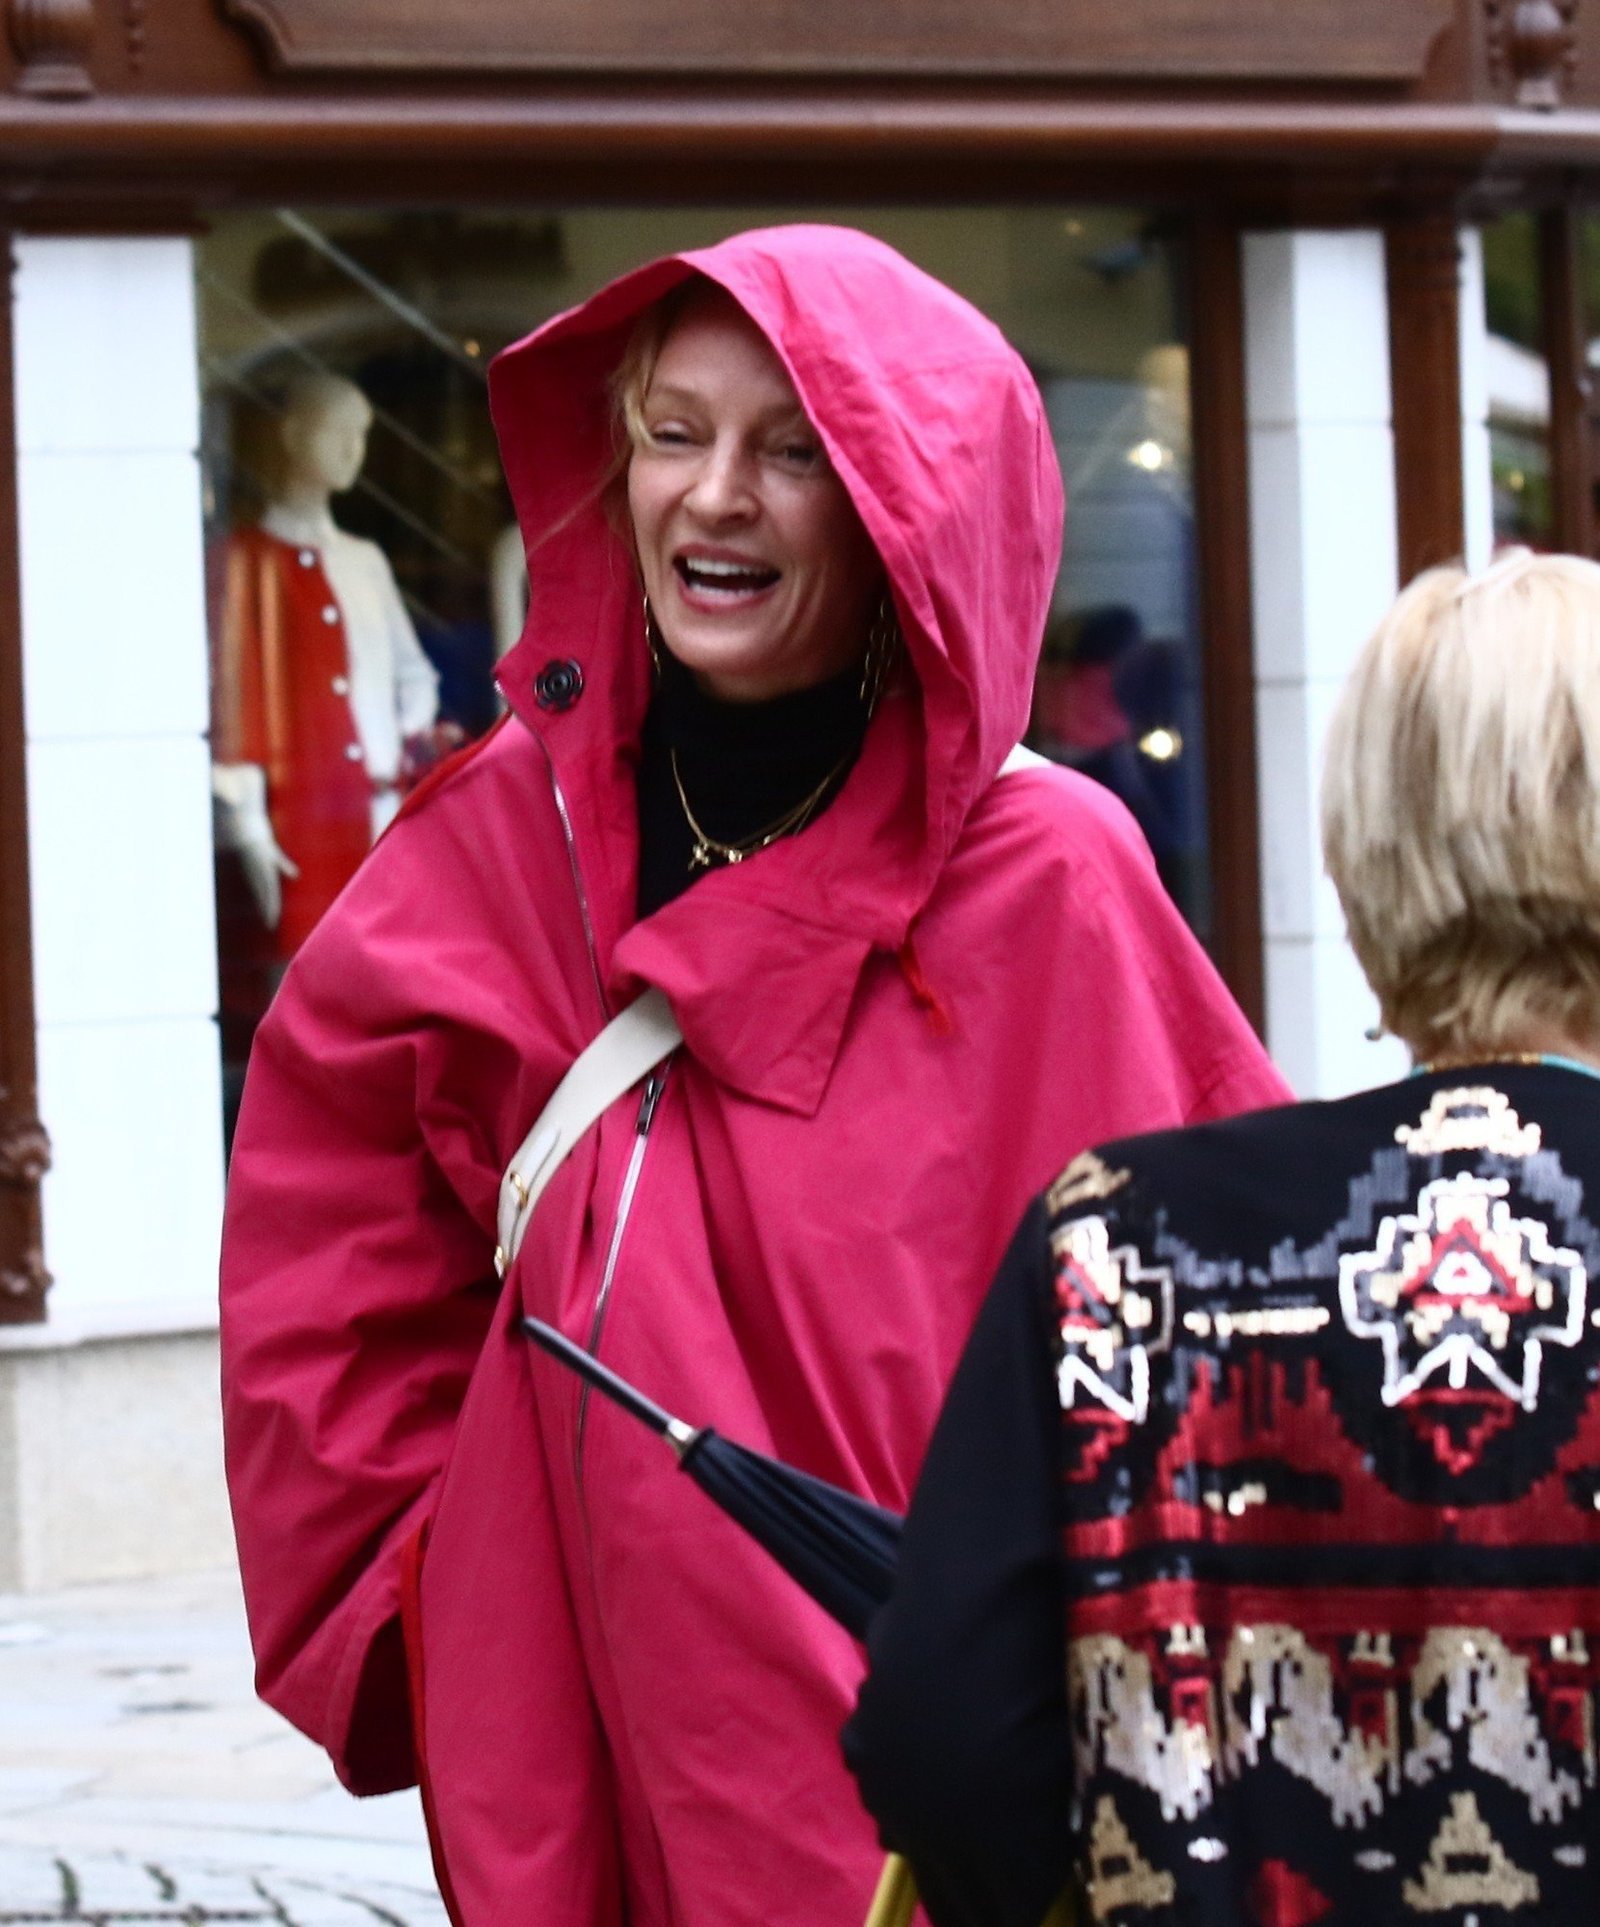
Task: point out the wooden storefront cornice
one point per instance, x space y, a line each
227 146
385 98
852 123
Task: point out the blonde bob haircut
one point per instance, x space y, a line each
1461 807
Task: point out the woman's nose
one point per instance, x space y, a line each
723 488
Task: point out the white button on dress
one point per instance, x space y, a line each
391 686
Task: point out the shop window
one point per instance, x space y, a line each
1587 449
1519 383
344 358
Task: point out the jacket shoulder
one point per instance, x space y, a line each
448 775
1242 1182
1265 1144
463 853
1059 815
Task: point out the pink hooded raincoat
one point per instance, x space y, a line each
898 1025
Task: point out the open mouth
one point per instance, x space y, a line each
708 577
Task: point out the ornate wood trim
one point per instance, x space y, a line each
702 127
699 132
1222 531
52 39
698 128
1352 41
24 1144
1532 44
135 32
1424 259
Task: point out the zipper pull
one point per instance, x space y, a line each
648 1103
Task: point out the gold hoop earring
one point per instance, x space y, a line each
883 644
652 641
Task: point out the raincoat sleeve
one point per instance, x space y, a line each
356 1293
961 1742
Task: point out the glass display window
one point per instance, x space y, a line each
1518 373
1588 296
366 573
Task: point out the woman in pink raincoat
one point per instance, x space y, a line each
910 987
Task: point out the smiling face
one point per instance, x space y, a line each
760 575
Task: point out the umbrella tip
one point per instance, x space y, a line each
680 1437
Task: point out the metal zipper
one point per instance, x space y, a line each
630 1184
647 1106
577 874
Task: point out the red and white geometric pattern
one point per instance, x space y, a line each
1459 1286
1113 1313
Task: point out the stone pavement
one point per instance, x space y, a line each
140 1780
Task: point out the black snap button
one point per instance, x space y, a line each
559 684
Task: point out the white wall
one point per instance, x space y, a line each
1324 561
111 1462
115 690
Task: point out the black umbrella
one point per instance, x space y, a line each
840 1548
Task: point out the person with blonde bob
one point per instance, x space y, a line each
1253 1576
1461 809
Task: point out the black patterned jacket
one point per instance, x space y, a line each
1254 1576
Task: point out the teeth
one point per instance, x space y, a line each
703 565
716 577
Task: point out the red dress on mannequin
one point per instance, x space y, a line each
281 695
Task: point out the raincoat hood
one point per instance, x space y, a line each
936 429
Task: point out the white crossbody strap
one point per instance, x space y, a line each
1023 758
629 1047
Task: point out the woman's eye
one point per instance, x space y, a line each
667 434
801 454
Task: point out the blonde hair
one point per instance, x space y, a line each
630 382
627 387
1461 806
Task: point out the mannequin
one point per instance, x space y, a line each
320 683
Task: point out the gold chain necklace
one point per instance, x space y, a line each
1476 1060
709 849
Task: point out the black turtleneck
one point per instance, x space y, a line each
742 765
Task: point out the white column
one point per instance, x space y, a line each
115 666
1477 476
1323 557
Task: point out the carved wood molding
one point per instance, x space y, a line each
24 1276
135 32
22 1285
1532 46
52 39
24 1151
24 1144
1328 40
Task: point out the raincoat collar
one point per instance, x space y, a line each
937 431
